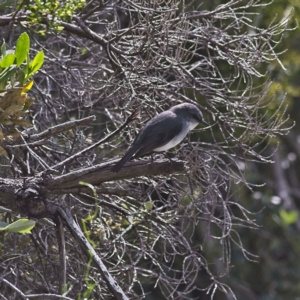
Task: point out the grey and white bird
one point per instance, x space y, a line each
163 132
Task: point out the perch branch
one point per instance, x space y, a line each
98 174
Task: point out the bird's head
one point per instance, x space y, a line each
191 113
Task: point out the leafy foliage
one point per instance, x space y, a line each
19 226
16 69
51 13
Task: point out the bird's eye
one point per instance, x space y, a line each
196 117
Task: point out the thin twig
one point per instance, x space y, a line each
131 118
60 128
62 254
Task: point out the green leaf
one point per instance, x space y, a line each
7 73
288 217
26 69
22 48
37 62
149 205
7 60
20 226
124 205
21 77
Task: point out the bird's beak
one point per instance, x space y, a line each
204 122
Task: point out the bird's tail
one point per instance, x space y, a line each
124 160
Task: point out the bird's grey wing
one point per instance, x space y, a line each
158 136
127 156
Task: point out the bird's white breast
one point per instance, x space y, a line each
178 138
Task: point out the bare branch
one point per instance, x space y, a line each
102 173
131 118
60 128
90 251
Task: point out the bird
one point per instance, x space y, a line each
163 132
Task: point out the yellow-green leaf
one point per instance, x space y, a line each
22 48
37 62
20 226
148 205
288 217
27 87
7 73
7 60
